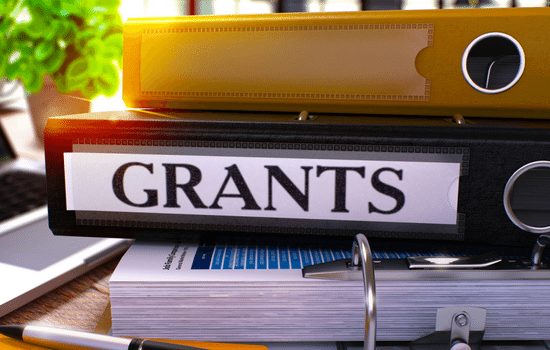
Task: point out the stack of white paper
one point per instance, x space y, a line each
257 293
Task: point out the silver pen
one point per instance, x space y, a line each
58 338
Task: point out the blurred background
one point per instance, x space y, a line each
141 8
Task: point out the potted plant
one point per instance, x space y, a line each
68 47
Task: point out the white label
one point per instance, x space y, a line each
264 187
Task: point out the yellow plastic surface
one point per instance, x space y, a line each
387 62
12 344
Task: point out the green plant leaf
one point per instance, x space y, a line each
67 30
94 48
76 74
112 53
31 78
70 8
25 75
54 62
102 28
111 5
113 48
33 82
7 6
107 83
114 40
72 85
24 48
44 50
82 37
94 67
53 30
60 82
38 24
99 10
44 6
12 70
3 57
3 65
15 69
5 25
89 90
78 42
77 68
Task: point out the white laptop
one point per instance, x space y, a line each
32 260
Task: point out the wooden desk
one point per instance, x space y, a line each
77 305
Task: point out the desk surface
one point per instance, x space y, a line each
63 306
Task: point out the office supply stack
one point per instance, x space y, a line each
232 292
265 142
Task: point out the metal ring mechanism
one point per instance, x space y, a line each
538 250
361 256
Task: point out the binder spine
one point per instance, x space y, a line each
395 62
206 165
